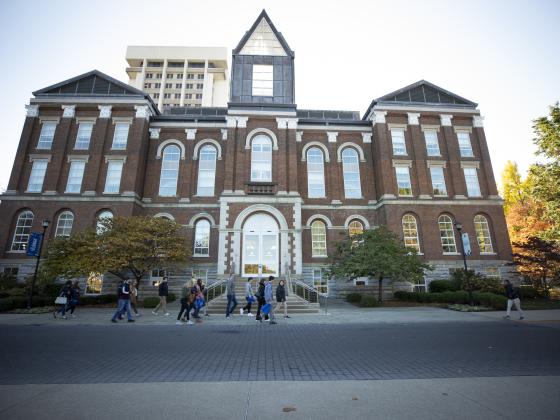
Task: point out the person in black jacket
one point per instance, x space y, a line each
124 302
163 291
74 298
66 292
260 300
512 294
281 298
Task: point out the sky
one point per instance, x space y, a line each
503 55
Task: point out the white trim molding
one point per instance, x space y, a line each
312 144
289 123
224 133
32 111
122 120
353 145
429 127
191 133
366 137
68 111
413 118
318 216
105 111
470 164
115 157
446 120
378 117
166 215
199 216
143 111
34 157
82 120
436 163
239 122
265 131
201 143
167 142
72 158
299 135
402 162
331 136
462 128
478 121
398 126
356 217
45 118
154 133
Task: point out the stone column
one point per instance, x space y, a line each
142 74
162 87
184 84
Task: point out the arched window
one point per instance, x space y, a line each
106 214
206 171
261 158
64 225
169 171
22 231
351 171
318 239
315 173
355 228
447 234
483 237
202 238
410 232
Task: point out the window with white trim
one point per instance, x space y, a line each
200 273
113 180
318 239
432 144
120 136
315 173
206 171
64 224
351 173
465 147
483 237
75 176
403 181
202 238
447 234
105 214
22 231
261 158
84 136
355 227
262 80
37 175
410 232
47 135
320 280
438 181
471 179
399 144
169 171
94 284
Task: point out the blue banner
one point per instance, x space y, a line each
466 243
34 244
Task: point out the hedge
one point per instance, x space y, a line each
438 286
353 297
368 301
20 302
490 300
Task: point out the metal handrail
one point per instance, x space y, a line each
215 290
307 292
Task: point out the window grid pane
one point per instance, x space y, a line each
114 171
471 179
37 176
320 280
315 173
169 171
75 176
403 181
355 228
447 234
206 171
465 147
47 135
84 136
22 231
399 145
318 239
432 145
483 237
438 181
103 215
262 80
65 222
410 232
261 159
121 136
351 172
202 238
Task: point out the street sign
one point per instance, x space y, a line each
466 243
34 244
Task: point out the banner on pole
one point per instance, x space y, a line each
34 244
466 243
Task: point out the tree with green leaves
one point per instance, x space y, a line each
377 254
514 189
121 246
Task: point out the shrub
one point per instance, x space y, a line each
16 291
462 280
97 299
171 297
438 286
50 289
490 300
150 302
353 297
7 281
529 292
368 301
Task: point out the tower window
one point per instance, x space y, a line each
262 80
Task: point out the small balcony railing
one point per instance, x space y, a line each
260 188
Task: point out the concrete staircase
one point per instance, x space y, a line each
296 304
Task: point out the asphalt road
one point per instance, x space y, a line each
133 353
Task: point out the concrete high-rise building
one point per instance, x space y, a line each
180 76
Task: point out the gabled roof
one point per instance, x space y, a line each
266 33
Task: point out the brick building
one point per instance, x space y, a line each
259 184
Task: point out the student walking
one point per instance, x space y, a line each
281 298
134 297
66 294
513 299
268 297
163 291
260 299
203 293
123 302
185 304
74 298
249 297
231 300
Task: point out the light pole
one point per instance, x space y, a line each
45 224
459 227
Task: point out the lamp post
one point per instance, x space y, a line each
459 227
45 224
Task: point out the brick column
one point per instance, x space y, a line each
54 169
293 163
455 172
485 163
96 164
242 156
367 168
419 157
136 154
24 146
384 172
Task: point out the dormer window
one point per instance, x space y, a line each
262 80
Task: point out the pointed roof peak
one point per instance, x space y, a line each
263 39
423 91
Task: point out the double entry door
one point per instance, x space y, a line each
260 246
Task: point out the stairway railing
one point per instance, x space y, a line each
215 290
309 293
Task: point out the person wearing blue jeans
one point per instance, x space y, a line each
124 302
230 291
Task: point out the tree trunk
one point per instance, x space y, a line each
380 290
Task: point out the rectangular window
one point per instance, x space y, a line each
200 273
432 145
180 76
47 135
465 144
84 136
37 175
190 76
169 76
199 85
177 96
113 180
188 96
121 136
189 85
199 96
262 80
471 179
158 75
178 85
11 271
166 95
147 85
168 85
156 95
157 85
200 76
399 145
403 181
149 75
438 181
75 175
320 280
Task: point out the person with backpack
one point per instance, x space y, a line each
185 304
512 294
249 297
74 298
203 292
260 299
230 292
123 302
163 292
268 297
64 295
134 297
281 298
